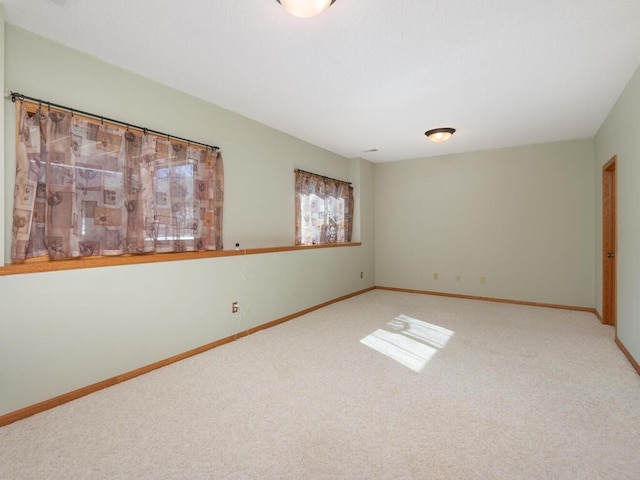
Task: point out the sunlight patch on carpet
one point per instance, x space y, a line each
409 341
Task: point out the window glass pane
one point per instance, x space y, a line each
322 211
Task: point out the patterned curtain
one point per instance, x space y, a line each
85 188
324 209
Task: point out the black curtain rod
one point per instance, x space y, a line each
20 96
321 176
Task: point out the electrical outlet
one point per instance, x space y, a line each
435 276
234 307
361 274
483 279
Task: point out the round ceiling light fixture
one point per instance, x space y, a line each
305 8
440 135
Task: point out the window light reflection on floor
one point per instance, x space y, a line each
409 341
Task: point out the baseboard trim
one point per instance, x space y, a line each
492 299
26 412
302 312
597 314
632 360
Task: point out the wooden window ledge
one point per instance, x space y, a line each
43 264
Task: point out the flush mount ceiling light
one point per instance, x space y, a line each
305 8
440 135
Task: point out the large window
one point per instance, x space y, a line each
84 187
324 209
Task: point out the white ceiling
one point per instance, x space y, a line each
372 74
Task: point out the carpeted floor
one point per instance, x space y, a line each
381 386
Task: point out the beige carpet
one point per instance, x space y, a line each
381 386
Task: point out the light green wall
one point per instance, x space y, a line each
526 218
620 135
61 331
523 218
259 161
2 145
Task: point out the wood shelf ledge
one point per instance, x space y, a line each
40 266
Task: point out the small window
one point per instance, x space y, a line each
85 187
324 209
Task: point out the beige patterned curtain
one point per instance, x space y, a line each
86 188
324 209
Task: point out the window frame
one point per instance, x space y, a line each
33 107
337 211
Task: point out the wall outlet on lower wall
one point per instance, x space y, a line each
234 307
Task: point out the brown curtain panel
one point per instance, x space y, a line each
85 188
324 209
